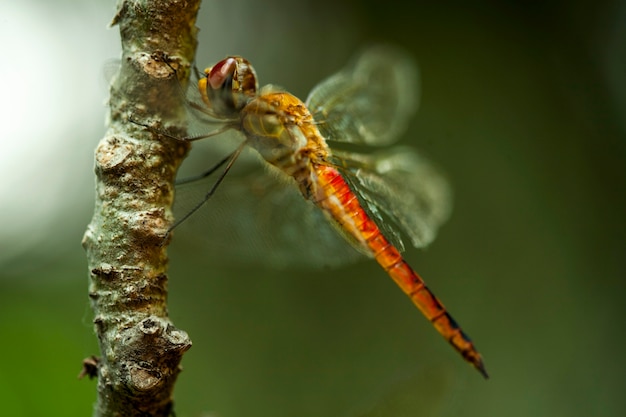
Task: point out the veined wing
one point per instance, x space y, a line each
368 102
395 185
255 217
399 187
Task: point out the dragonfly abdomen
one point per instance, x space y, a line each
343 206
431 307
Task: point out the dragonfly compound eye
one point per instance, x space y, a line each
228 85
222 72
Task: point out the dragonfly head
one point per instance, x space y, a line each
228 86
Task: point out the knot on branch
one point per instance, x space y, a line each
150 353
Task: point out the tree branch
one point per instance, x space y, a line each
135 170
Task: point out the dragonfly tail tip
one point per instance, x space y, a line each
480 366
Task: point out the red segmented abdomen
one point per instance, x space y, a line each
342 204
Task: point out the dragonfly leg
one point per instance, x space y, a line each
205 173
229 161
191 138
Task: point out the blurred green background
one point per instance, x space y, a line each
523 104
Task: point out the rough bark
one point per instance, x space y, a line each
135 169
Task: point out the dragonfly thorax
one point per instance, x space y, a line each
279 126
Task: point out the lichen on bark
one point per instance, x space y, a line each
135 169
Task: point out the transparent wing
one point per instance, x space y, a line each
399 187
258 218
368 102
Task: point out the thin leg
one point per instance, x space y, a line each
215 132
231 160
204 174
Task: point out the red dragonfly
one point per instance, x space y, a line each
362 195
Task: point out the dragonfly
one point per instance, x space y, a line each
368 197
